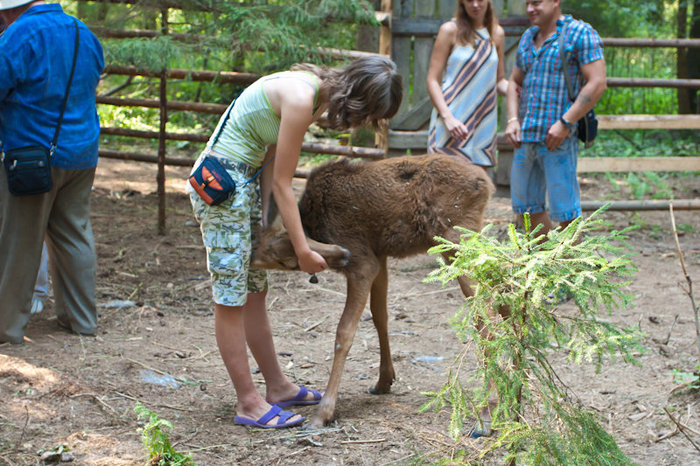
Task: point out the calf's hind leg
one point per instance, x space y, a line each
380 317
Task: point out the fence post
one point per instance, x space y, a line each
160 178
381 137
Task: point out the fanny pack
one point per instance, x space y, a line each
210 179
587 128
213 183
29 168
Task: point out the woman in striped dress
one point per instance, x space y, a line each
268 121
466 71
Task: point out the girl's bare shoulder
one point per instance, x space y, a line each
449 27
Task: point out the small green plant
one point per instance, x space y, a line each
685 228
157 441
638 185
536 419
688 379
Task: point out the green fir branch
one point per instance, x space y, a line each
525 274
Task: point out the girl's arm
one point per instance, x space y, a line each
438 61
500 41
513 102
295 102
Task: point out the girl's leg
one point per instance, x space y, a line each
231 340
259 336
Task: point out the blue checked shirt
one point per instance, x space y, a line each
544 99
36 54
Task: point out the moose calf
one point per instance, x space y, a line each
356 215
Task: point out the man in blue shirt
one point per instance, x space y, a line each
542 119
36 55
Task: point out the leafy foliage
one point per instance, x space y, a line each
157 441
521 277
256 36
656 19
640 19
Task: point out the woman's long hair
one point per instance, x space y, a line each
367 91
466 32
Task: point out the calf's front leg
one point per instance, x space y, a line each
359 282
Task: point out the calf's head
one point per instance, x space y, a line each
275 250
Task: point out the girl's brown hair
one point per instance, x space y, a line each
466 32
367 91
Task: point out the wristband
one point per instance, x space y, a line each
568 125
510 120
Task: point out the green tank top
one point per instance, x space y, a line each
252 124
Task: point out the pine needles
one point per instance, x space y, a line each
524 277
255 36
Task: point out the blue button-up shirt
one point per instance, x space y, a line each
36 54
544 98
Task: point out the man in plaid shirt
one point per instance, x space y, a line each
542 119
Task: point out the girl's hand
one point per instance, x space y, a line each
513 133
312 262
456 128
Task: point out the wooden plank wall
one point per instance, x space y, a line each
414 26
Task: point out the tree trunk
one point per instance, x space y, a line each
367 37
693 57
681 57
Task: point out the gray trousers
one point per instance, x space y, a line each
62 218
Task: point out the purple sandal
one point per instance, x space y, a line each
262 423
300 399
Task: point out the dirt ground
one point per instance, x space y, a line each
156 345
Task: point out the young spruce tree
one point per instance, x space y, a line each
537 418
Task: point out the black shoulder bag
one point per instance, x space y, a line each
29 168
587 128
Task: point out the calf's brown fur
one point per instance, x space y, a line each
373 210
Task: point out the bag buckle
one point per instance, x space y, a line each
206 182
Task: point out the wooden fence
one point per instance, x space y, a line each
413 28
407 33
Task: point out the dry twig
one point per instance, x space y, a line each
313 326
26 422
98 399
682 428
10 463
673 324
687 278
378 440
668 435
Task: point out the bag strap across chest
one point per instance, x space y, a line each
64 104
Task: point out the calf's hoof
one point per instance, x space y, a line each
316 423
339 259
381 389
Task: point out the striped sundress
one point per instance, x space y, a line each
469 87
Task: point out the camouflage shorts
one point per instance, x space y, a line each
229 233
